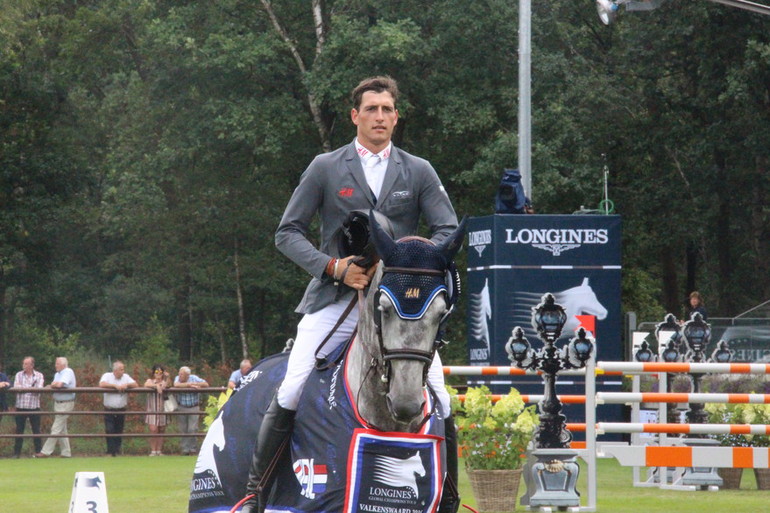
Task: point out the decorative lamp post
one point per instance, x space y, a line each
644 354
668 329
551 474
668 335
696 335
722 353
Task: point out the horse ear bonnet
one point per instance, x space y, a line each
411 294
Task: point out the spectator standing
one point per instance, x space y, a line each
235 377
188 403
695 304
115 404
27 403
4 385
155 419
63 403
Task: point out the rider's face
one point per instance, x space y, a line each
375 120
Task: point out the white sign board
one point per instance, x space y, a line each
664 337
89 493
636 342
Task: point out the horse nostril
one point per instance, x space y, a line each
404 411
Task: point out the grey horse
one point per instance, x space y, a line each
379 385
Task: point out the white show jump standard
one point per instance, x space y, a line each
693 368
659 397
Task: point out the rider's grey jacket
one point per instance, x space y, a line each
333 185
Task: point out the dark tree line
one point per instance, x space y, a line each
147 149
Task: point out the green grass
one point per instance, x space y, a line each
134 483
141 483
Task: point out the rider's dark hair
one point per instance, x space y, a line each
376 84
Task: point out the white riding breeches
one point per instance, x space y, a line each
311 331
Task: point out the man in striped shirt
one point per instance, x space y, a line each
27 402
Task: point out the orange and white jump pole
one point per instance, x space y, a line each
660 397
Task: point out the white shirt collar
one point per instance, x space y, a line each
365 154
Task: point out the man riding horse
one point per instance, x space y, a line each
370 173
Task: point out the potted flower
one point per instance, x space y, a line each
494 439
729 414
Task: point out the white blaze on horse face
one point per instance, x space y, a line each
405 396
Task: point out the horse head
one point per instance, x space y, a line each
399 326
580 300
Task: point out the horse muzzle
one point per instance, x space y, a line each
404 411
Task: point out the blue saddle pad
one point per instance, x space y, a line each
336 463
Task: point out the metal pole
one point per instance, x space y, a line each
525 95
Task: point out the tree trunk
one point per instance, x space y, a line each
322 125
239 295
184 321
692 267
3 325
671 299
261 325
220 333
759 227
723 235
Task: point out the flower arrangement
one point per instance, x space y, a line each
740 414
494 436
728 414
757 414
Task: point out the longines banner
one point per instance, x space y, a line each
514 259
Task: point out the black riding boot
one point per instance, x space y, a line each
276 426
450 499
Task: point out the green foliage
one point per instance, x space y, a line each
740 414
728 414
641 294
213 405
144 144
42 344
495 436
757 414
155 346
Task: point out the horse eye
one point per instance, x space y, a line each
385 306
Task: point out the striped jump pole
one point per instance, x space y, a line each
688 457
473 370
656 397
684 429
683 367
533 398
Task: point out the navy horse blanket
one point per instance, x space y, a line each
337 464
